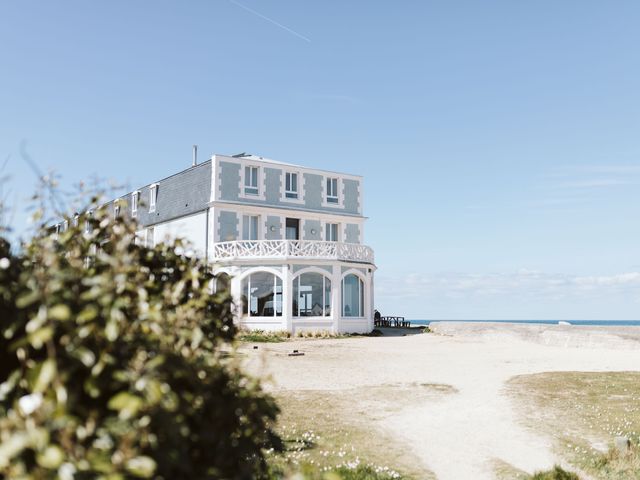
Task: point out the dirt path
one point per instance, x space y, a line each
457 435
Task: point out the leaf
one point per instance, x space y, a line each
141 466
60 312
111 330
86 356
7 386
40 337
45 375
12 447
87 314
28 299
126 404
51 458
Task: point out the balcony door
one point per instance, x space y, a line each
250 227
292 231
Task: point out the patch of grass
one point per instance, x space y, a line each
584 412
342 472
321 334
329 436
556 473
351 472
505 471
614 464
261 336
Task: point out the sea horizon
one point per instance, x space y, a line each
626 323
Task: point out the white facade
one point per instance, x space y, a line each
289 237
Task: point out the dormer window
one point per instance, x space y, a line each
332 191
291 185
153 196
116 209
134 203
251 180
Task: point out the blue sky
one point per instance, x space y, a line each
499 140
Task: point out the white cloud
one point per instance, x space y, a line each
572 186
523 283
595 183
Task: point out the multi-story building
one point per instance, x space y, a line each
289 237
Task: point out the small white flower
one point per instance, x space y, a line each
30 403
4 263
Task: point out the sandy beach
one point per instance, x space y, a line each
442 394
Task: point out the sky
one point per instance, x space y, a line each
499 140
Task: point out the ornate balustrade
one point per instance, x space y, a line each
283 249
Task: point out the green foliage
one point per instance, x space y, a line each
261 336
557 473
348 472
114 363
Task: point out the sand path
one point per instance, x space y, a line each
460 435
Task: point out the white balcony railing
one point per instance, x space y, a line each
280 249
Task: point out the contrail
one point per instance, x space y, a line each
293 32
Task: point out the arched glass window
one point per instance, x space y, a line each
352 296
311 295
222 282
262 295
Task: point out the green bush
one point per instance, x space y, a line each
115 364
557 473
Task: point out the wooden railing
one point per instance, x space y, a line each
279 249
396 322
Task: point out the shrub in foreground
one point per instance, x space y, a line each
113 364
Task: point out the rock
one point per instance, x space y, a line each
622 444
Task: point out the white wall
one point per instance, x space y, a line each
192 228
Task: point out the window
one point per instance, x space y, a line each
134 203
153 196
262 295
150 238
116 209
331 232
250 227
292 231
311 295
222 283
332 190
291 185
352 296
251 181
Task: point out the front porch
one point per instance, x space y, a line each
331 296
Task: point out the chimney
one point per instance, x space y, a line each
195 156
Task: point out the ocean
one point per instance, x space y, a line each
626 323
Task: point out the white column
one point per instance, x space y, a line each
372 303
287 291
336 298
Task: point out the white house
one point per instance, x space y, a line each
289 237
